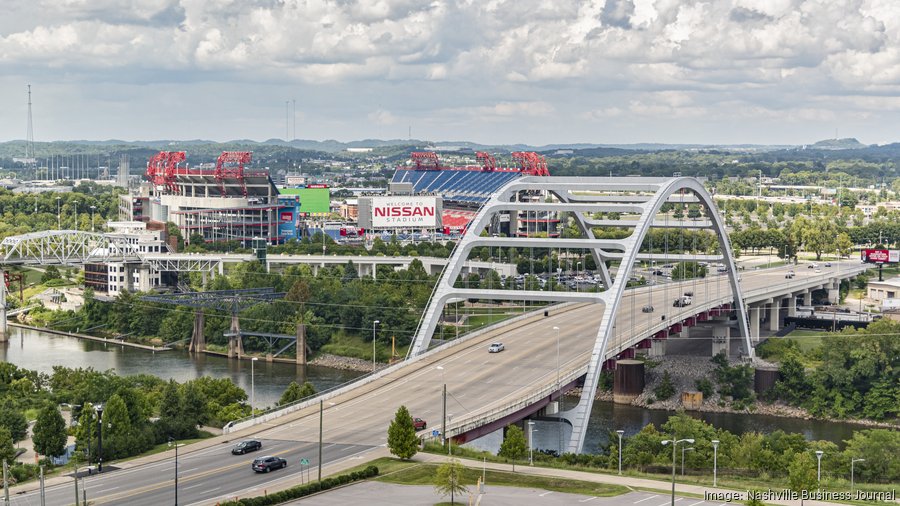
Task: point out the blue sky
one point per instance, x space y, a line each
490 71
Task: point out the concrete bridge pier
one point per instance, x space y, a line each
721 339
198 337
657 348
792 305
775 315
235 345
301 344
628 381
834 293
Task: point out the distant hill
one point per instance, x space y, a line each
847 143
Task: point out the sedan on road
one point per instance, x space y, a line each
266 464
246 446
419 424
496 348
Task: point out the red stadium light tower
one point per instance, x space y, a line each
531 163
162 166
426 160
488 163
230 165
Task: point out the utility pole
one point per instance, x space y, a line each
321 412
5 483
43 498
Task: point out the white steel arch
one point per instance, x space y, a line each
66 247
643 196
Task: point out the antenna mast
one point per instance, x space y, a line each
29 135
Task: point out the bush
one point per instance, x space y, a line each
665 389
304 490
705 387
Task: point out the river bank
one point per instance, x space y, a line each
88 337
685 371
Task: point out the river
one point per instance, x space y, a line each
41 351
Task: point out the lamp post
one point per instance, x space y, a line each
819 466
76 214
674 444
530 443
374 323
92 217
683 449
174 442
99 438
443 405
58 215
715 443
620 433
852 463
449 439
253 386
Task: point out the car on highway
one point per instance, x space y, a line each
818 271
251 445
419 424
827 264
496 348
812 266
682 301
266 464
647 309
789 275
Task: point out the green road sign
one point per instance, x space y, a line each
304 462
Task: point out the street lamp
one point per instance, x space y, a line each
558 393
530 443
99 438
76 214
852 462
174 442
92 217
58 216
444 406
715 443
674 444
449 439
376 322
253 386
620 433
683 449
819 466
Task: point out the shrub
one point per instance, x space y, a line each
304 490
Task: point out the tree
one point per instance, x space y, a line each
49 432
50 273
402 440
448 479
13 420
294 392
802 474
513 446
117 431
665 389
7 452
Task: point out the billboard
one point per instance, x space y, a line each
313 201
880 256
403 212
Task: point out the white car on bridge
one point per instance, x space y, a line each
496 348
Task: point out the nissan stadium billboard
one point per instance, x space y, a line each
880 256
400 212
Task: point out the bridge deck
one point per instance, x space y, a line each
484 386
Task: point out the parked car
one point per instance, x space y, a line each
496 348
251 445
266 464
419 424
647 309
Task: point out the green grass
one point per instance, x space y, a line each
808 340
424 475
357 347
162 447
476 321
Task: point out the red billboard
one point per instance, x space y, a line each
880 256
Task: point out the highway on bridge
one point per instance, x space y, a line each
477 382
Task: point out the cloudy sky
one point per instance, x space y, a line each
491 71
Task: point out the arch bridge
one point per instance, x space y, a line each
633 205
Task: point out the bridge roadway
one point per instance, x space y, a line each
480 386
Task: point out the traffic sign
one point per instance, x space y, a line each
304 462
435 433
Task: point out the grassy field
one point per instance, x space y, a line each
357 347
423 474
807 339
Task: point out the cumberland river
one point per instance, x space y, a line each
40 351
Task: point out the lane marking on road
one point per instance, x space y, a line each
103 490
696 503
646 499
188 470
193 486
210 490
588 499
545 494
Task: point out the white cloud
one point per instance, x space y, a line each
772 60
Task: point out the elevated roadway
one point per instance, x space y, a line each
484 390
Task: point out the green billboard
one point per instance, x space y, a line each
313 201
